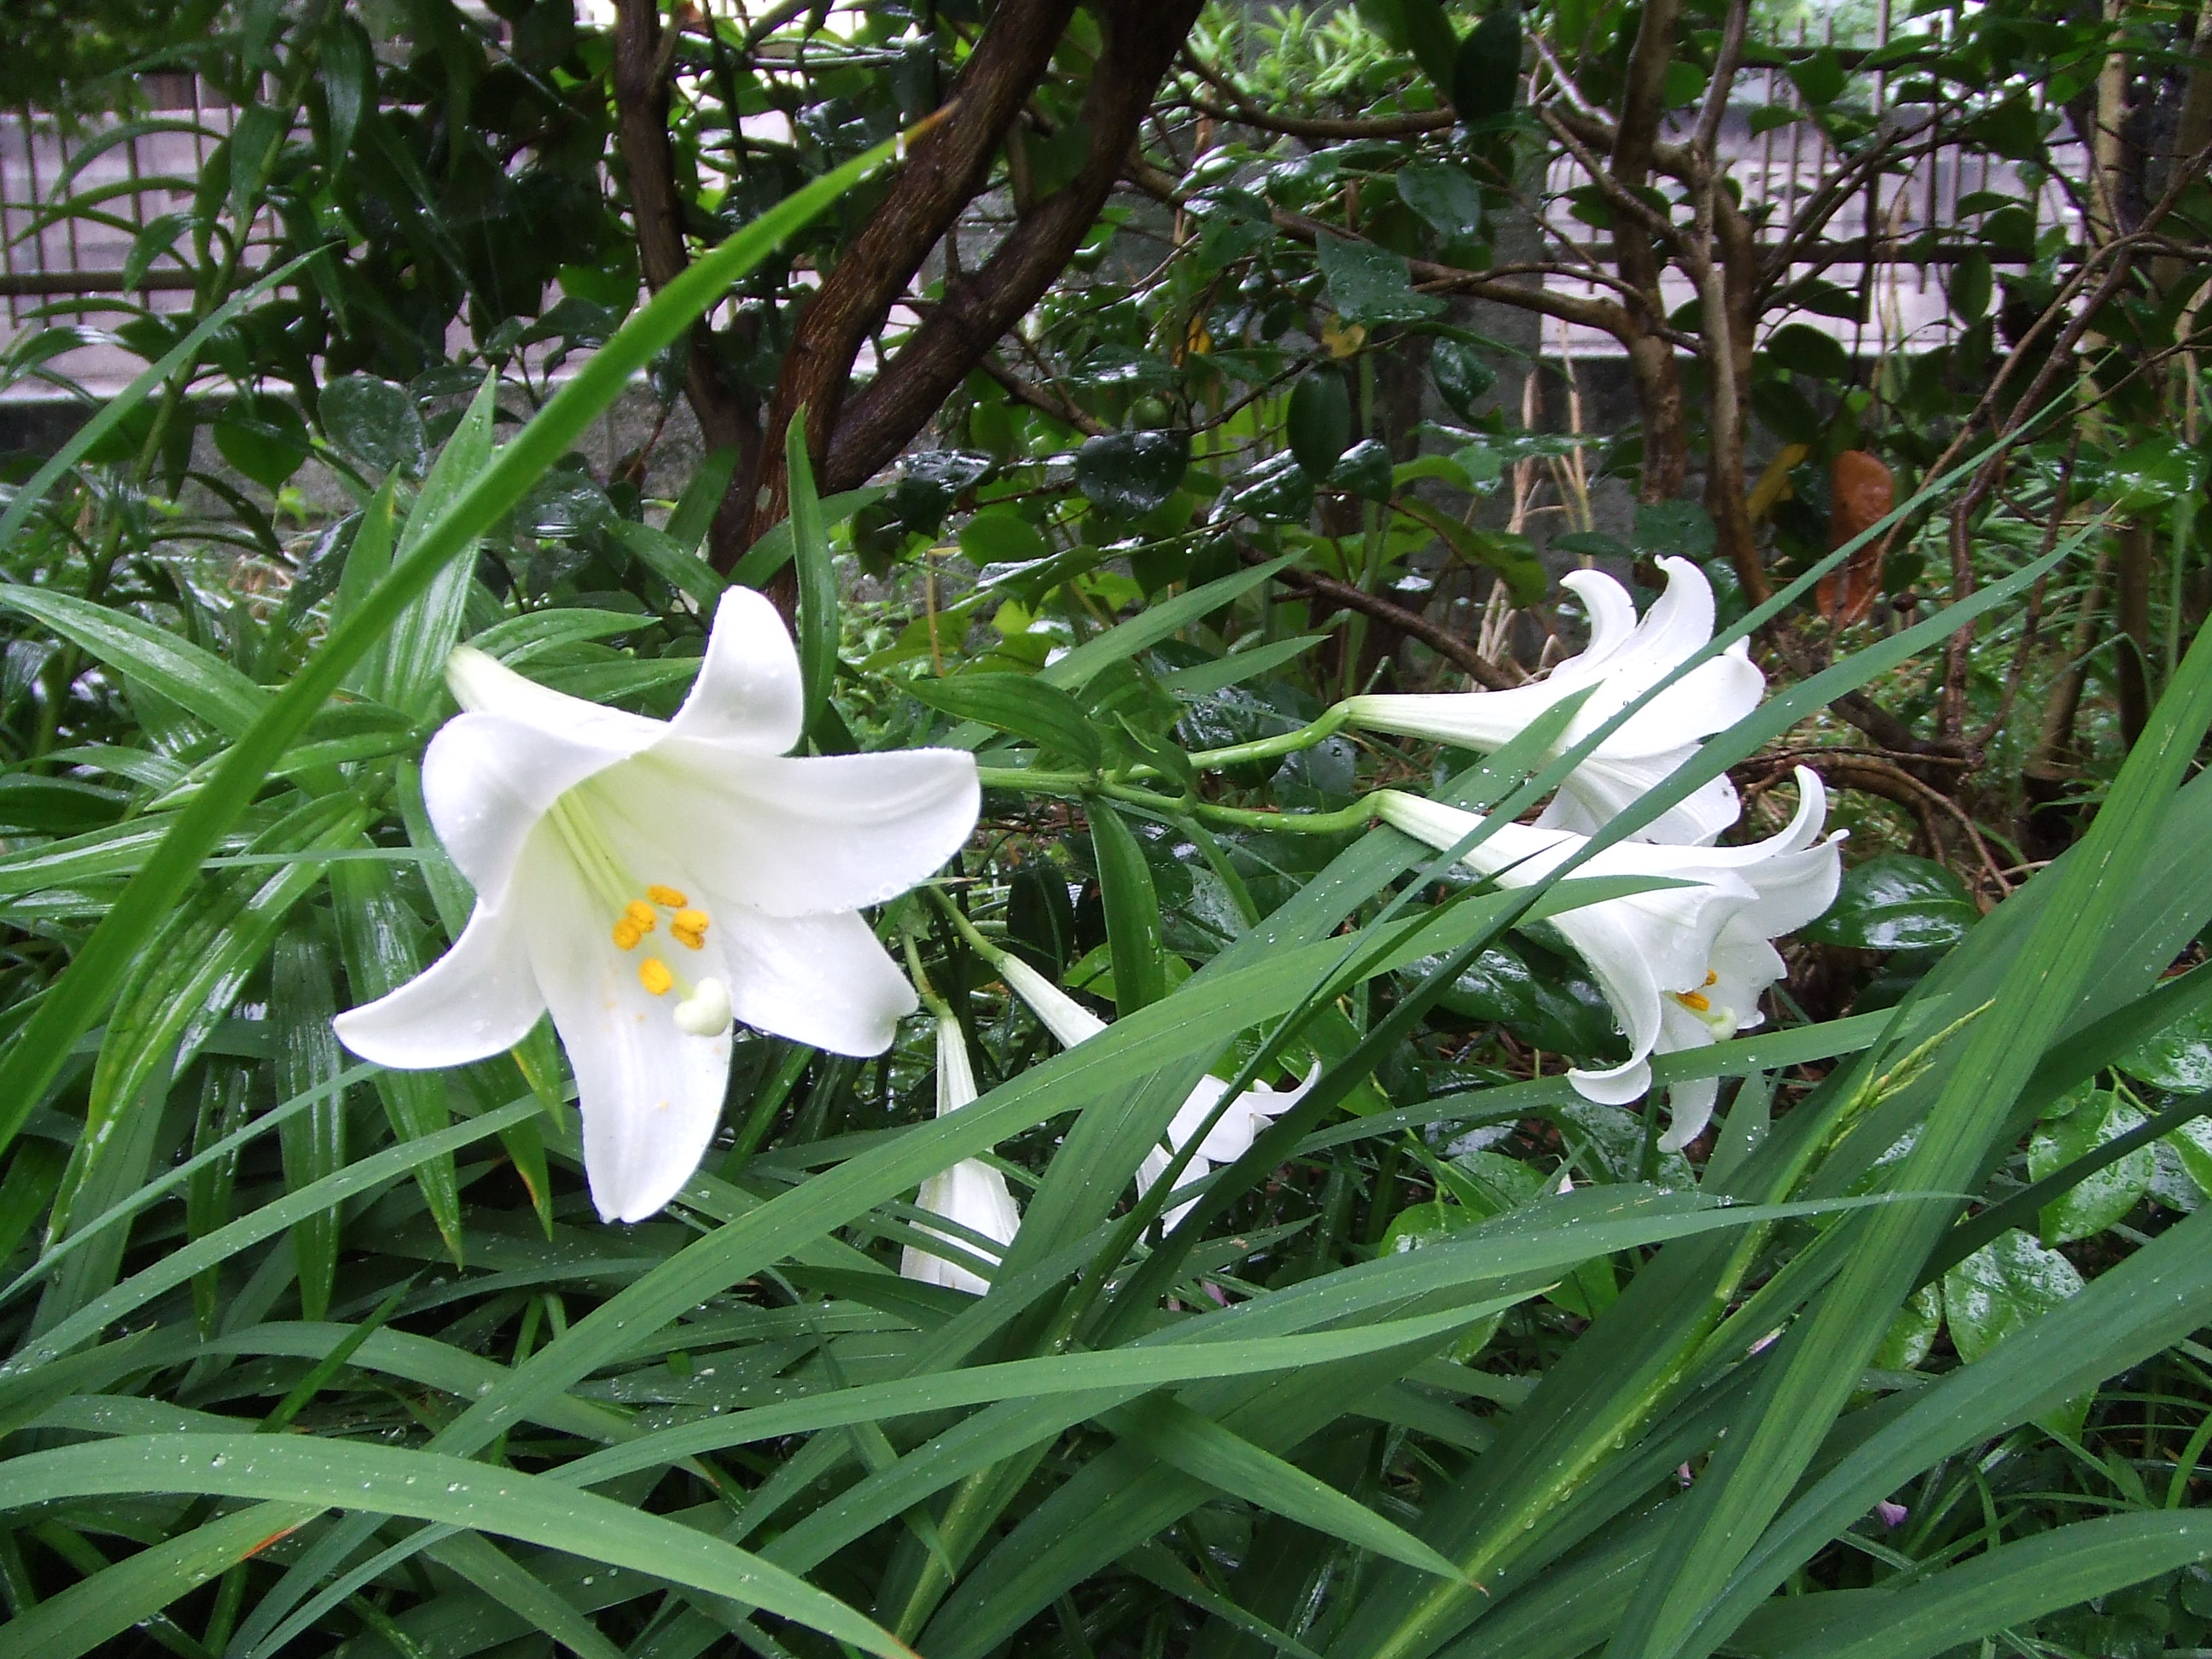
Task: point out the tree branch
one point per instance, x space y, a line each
1460 653
1142 37
945 170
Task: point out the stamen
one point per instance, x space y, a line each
627 934
653 973
1696 1001
689 928
1711 978
668 898
641 915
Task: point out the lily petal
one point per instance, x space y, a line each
824 980
483 685
973 1195
1625 659
1063 1015
748 694
1611 612
1692 1104
489 778
797 837
477 1000
651 1095
1598 791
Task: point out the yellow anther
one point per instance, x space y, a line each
653 973
1696 1001
689 927
627 934
667 898
640 916
1711 978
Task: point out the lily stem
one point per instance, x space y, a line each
1076 785
1289 743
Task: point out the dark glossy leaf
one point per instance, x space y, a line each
1127 475
1896 902
1803 350
1820 78
2150 474
264 438
929 483
1019 703
1462 374
2178 1058
1427 33
1445 196
374 421
562 505
1485 80
1278 488
1364 470
1970 287
2104 1196
1370 285
1319 421
2013 129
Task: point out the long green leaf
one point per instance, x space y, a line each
2008 1585
196 681
1198 1446
96 1609
428 1486
179 1266
817 577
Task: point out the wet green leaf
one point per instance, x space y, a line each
1896 902
1125 475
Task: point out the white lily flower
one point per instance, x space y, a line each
1624 658
591 835
1246 1117
971 1193
1682 967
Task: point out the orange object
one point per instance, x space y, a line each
1861 492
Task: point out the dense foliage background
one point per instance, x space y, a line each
1178 371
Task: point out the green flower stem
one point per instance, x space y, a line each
1301 823
1031 782
982 947
1236 754
1078 785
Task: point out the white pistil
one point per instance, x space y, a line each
705 1012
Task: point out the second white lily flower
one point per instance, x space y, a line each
1624 658
1681 966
